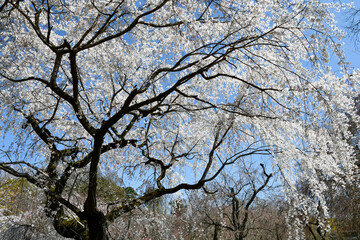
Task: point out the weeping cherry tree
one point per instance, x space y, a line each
172 91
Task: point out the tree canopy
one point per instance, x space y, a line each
171 91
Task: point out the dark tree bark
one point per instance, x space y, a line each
216 232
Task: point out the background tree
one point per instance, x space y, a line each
175 89
239 205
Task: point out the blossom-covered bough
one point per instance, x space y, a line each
176 89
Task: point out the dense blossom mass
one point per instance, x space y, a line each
171 92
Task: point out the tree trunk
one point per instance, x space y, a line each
97 226
239 235
216 232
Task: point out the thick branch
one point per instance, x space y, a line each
91 44
76 103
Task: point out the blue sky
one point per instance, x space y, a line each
351 47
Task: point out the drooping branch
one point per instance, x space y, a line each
14 172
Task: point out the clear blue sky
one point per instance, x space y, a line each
351 48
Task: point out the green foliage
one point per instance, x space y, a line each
109 191
337 229
14 194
